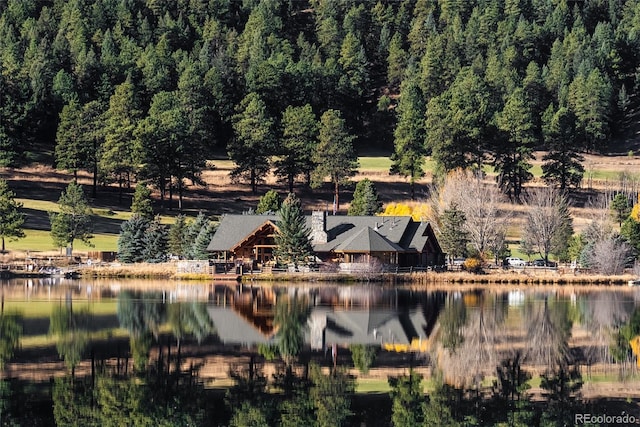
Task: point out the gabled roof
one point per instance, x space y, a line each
417 236
341 228
231 327
233 229
344 233
367 240
370 326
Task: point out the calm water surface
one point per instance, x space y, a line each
73 326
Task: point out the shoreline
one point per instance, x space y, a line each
525 277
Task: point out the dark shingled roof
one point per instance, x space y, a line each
367 240
234 228
344 233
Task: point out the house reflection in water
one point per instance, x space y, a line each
394 319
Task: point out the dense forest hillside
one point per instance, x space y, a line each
147 89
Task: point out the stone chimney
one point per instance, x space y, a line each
318 227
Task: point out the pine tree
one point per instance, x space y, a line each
453 238
193 231
512 158
11 219
269 203
334 154
177 236
620 208
131 244
252 146
407 399
122 152
299 138
409 149
292 236
73 221
142 203
563 162
365 199
201 243
155 242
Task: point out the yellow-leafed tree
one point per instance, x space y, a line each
635 347
418 211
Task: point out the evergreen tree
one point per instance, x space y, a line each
201 243
397 60
363 356
79 138
11 219
299 138
354 78
331 395
407 399
269 203
458 122
73 221
365 199
334 156
453 236
563 162
590 97
561 387
177 236
409 149
69 148
154 242
620 208
512 158
510 391
290 317
630 230
201 222
293 245
122 151
252 146
142 203
131 241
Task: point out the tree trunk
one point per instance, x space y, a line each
170 194
254 183
336 195
94 187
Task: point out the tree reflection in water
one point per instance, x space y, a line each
70 329
485 351
548 330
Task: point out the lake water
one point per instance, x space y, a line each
73 326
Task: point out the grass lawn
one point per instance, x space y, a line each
46 340
380 385
382 164
32 309
40 241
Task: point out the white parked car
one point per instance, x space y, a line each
516 262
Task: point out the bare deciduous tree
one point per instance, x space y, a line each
610 255
485 223
601 225
468 363
547 220
548 332
601 315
